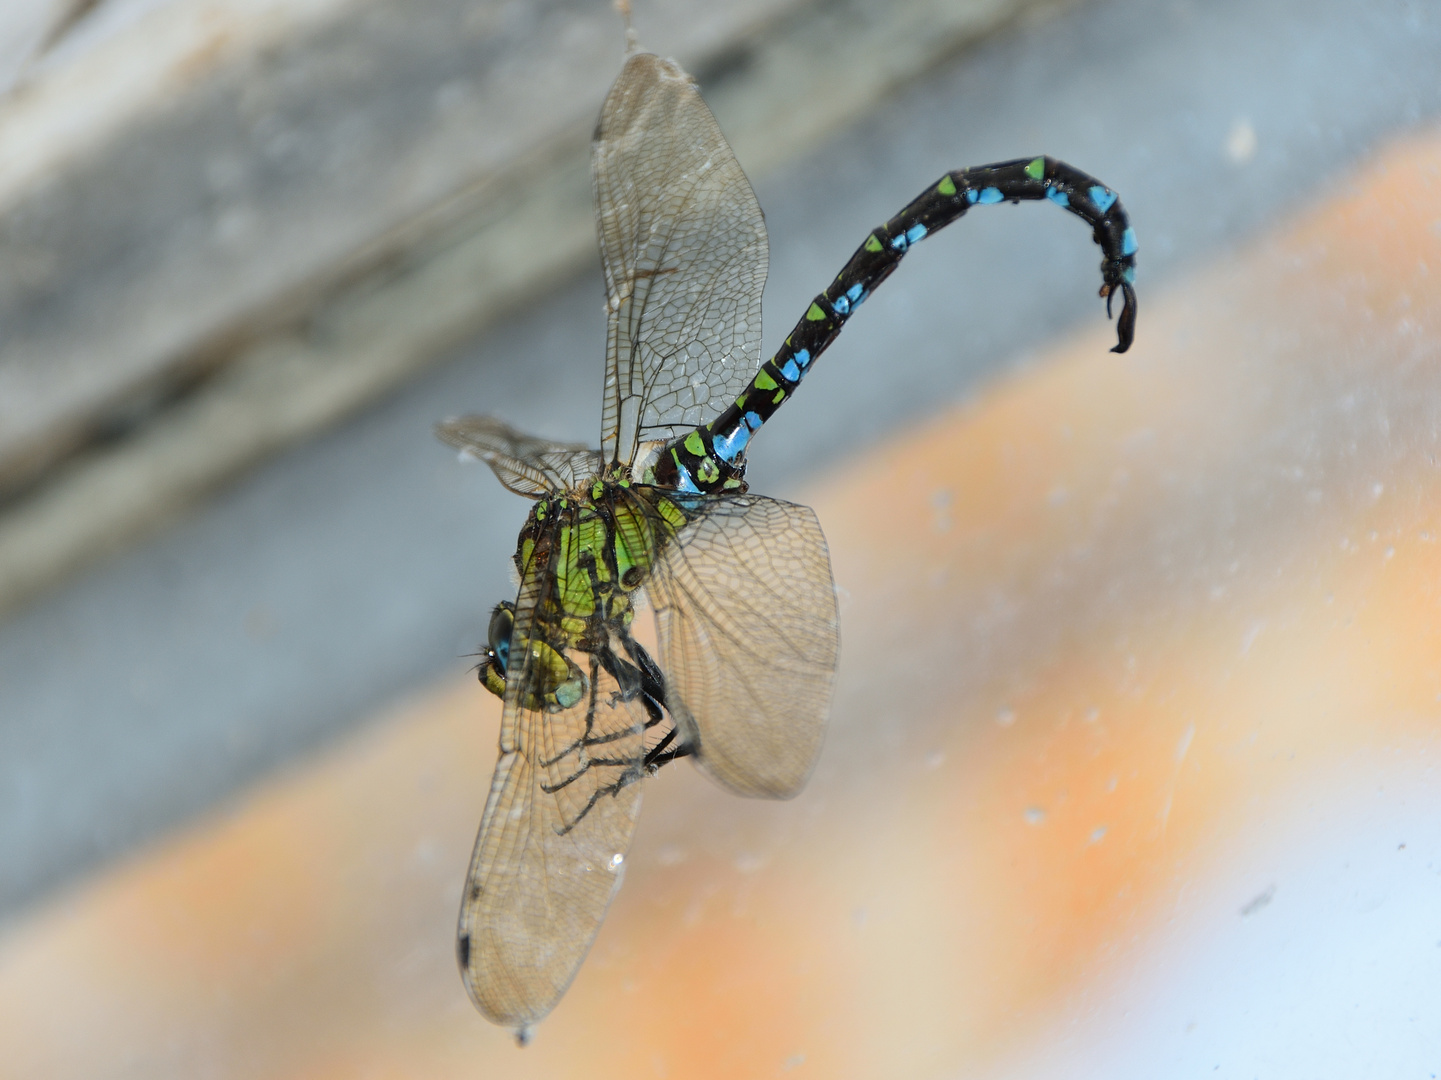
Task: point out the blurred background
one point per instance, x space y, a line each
1132 764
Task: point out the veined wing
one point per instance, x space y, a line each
746 612
556 829
684 247
526 465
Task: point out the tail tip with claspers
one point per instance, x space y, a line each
1126 323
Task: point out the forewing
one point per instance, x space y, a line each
557 825
746 613
684 247
526 465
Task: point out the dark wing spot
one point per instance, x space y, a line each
462 951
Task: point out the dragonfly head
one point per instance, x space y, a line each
497 652
554 683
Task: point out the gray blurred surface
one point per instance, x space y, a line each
369 201
257 182
357 567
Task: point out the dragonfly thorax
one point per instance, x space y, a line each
583 556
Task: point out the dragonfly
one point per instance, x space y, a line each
740 584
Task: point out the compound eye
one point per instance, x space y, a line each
502 623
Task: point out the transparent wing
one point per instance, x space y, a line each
746 612
557 825
684 247
527 466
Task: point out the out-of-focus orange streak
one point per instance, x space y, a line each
1100 628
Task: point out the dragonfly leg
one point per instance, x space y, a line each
652 681
631 771
631 768
653 686
587 738
592 763
662 753
627 778
641 678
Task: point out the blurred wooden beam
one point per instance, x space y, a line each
295 207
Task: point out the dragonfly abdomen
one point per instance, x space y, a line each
711 458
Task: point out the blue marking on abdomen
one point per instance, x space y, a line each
1057 196
971 196
1128 242
855 294
791 372
803 358
916 233
1102 198
989 195
728 446
753 421
841 306
683 480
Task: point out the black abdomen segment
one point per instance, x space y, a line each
712 457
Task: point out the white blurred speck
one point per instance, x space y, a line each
1098 834
1005 716
748 863
934 760
1034 815
1185 744
1241 142
616 860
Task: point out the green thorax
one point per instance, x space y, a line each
584 554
